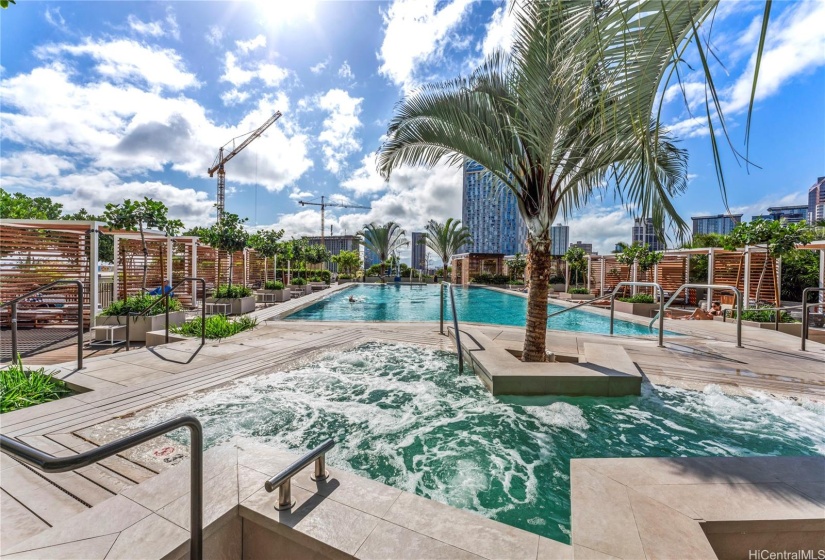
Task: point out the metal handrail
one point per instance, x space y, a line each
51 464
661 313
734 289
455 323
582 304
806 308
283 480
165 298
13 318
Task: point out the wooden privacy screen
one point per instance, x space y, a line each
256 264
729 268
34 257
129 266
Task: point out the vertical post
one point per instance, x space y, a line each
687 278
612 307
601 275
203 314
94 274
566 276
166 305
711 262
117 259
194 273
128 337
196 492
778 291
14 332
821 277
441 293
80 323
738 317
747 284
661 316
285 495
321 467
635 272
169 244
589 261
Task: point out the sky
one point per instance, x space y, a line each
105 100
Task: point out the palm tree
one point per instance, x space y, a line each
446 239
549 125
383 240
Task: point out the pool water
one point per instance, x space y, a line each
476 305
403 416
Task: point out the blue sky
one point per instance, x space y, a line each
107 100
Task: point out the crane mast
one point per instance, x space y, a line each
220 161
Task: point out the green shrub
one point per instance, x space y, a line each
20 388
578 291
638 298
217 326
494 279
298 282
517 282
232 292
139 304
556 279
764 316
345 277
274 285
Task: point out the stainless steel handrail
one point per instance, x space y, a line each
734 289
455 323
165 298
51 464
283 480
13 318
661 313
805 309
582 304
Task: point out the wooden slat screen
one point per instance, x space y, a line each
129 266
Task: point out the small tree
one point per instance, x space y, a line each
576 258
316 254
227 235
347 261
19 206
140 215
383 240
517 266
641 255
267 243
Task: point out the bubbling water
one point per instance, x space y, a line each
403 416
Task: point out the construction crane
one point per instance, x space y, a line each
221 160
323 206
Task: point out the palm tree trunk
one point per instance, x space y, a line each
538 257
445 275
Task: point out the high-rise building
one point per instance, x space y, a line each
789 214
418 252
816 201
645 233
489 210
335 244
721 223
559 240
370 258
588 247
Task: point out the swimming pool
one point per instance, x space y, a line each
375 302
401 414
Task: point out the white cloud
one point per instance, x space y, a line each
298 194
151 28
416 32
214 36
30 164
345 71
234 96
54 18
172 23
759 207
234 73
499 30
123 60
251 44
603 226
320 67
337 136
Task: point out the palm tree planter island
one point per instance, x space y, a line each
118 313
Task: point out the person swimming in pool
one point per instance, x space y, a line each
351 299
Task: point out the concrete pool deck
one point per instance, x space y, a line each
123 383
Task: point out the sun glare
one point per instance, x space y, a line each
286 11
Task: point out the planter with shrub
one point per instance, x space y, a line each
300 285
239 298
116 314
344 278
577 294
490 279
217 326
21 387
640 304
273 291
557 283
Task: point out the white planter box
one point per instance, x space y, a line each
641 309
794 329
305 289
139 326
581 297
239 306
557 287
272 295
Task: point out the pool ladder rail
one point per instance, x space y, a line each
283 480
455 323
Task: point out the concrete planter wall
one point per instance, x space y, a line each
279 295
557 287
239 306
641 309
794 329
139 326
156 338
305 289
576 297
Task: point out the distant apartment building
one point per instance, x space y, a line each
559 240
722 224
789 214
489 210
588 247
816 201
418 252
335 244
645 233
370 258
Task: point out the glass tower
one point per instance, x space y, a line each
490 212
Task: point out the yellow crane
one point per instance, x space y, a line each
221 159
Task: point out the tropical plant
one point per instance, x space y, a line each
229 235
273 285
383 240
139 215
299 282
231 292
494 279
316 254
20 387
446 239
217 326
638 298
576 258
347 261
516 268
800 270
553 125
267 243
139 304
578 290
